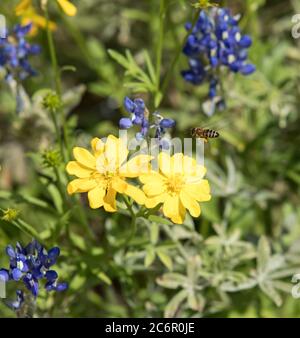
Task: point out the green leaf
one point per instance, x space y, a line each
196 302
159 220
271 292
150 67
77 282
174 304
102 276
172 280
149 258
263 254
119 58
165 259
78 241
154 233
27 228
56 197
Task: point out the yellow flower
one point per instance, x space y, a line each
103 174
28 14
65 5
178 185
10 215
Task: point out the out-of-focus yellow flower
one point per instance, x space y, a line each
67 6
10 215
178 185
103 174
29 14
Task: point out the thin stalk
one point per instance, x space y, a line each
159 50
133 221
53 54
57 79
177 55
57 131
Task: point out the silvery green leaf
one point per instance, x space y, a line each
270 291
174 304
235 287
172 280
284 273
263 254
193 266
275 262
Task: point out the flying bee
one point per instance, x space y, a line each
204 134
203 4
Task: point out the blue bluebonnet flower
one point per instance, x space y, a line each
216 41
141 117
15 52
31 264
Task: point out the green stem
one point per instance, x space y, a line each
177 55
57 131
27 229
53 54
133 221
160 42
57 79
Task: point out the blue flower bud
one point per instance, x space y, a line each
125 123
167 123
248 69
129 105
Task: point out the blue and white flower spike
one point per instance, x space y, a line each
216 42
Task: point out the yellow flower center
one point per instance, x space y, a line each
174 184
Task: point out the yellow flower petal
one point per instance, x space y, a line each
67 7
22 6
75 168
177 163
190 203
136 166
174 209
115 151
98 146
81 185
199 191
110 200
154 201
135 193
153 176
96 196
164 162
195 174
84 157
119 185
154 188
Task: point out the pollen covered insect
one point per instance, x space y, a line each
204 133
